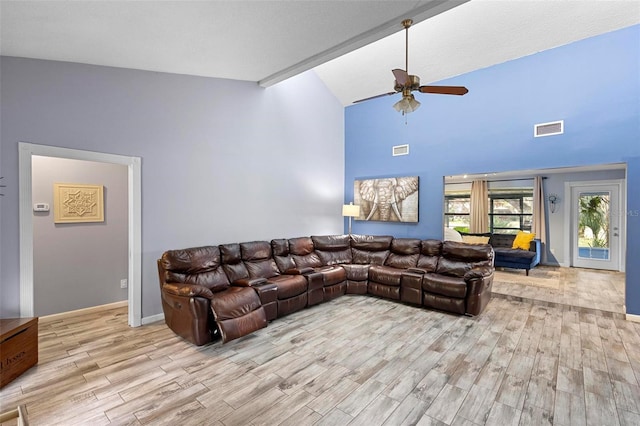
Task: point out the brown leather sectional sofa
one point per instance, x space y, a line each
232 290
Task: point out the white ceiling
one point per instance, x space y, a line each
269 41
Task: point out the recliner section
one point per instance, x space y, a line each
196 289
291 289
233 289
385 279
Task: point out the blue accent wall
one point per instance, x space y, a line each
593 85
633 236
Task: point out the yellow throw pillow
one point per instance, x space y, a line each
523 240
475 239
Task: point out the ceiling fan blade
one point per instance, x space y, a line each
401 76
444 90
373 97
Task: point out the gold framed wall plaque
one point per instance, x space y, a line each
77 203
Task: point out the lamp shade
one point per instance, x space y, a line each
350 210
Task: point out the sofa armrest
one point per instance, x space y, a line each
478 280
187 290
478 287
479 272
188 315
249 282
536 245
301 271
417 270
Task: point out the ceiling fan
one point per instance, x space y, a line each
406 83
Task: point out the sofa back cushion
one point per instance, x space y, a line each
467 252
502 240
280 250
197 265
332 249
303 253
458 258
258 260
404 253
453 267
232 262
370 249
430 251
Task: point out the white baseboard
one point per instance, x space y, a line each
84 311
152 318
632 317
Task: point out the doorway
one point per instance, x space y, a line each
134 273
596 225
79 264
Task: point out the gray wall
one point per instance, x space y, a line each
222 160
78 265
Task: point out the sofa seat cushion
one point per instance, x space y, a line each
524 257
289 285
356 272
444 285
332 274
385 275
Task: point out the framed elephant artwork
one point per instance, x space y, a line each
393 199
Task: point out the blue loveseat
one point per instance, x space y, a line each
507 257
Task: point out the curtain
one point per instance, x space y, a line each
479 208
539 224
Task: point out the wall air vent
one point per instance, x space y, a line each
400 150
548 129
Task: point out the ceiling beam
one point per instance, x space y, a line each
419 14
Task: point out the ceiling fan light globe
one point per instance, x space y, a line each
407 104
413 104
401 105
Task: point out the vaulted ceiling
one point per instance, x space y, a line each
352 45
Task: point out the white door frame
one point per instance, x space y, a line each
621 211
134 275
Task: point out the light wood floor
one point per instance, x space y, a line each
356 360
582 289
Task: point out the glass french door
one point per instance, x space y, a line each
596 226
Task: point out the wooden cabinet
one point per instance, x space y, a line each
18 347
